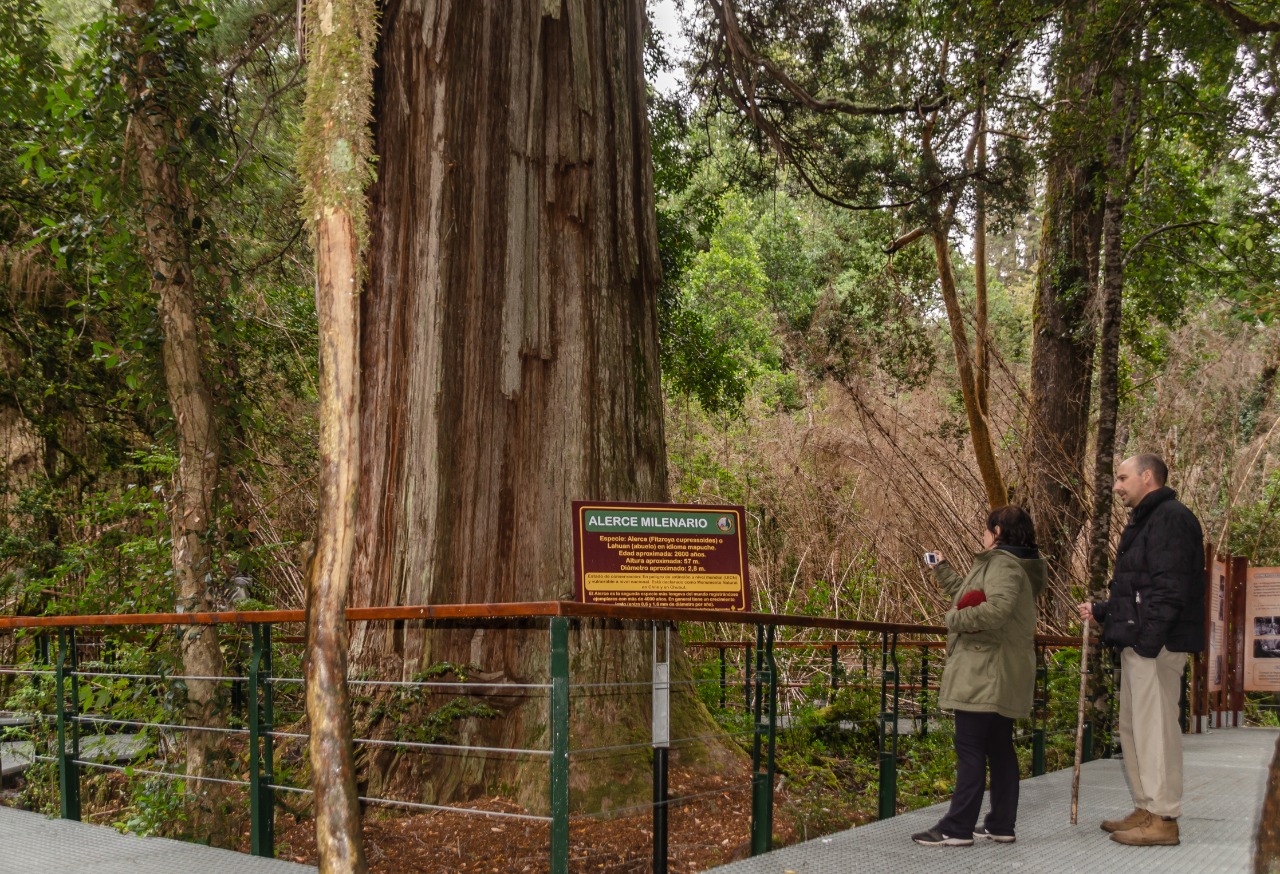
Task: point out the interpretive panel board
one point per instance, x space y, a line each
660 555
1262 630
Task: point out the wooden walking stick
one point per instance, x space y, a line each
1084 682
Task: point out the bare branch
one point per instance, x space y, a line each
905 240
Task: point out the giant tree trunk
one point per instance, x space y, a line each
1063 334
165 214
509 348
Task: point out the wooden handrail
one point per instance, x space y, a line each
513 610
1052 640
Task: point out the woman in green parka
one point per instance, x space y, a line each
989 680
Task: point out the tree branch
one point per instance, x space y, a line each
905 240
740 49
1245 24
1146 238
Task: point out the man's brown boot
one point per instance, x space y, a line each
1133 820
1156 832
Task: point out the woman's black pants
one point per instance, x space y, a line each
983 741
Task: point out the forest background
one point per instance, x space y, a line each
918 259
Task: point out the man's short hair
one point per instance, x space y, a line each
1147 461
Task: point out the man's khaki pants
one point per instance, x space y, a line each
1150 736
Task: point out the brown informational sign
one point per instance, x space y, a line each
1262 630
660 555
1217 624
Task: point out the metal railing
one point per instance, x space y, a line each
899 662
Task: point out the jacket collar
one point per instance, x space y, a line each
1139 515
1149 503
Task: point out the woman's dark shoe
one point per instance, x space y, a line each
935 838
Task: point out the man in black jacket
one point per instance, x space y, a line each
1154 616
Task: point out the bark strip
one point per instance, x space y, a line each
338 838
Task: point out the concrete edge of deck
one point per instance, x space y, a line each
32 842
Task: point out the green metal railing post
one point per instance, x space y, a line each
770 766
763 743
68 770
889 725
1086 745
746 677
559 745
262 832
1038 711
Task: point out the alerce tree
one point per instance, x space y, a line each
508 337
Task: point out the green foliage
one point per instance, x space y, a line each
1262 709
80 337
159 807
1255 527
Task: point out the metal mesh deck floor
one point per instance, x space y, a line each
1224 779
31 842
1225 775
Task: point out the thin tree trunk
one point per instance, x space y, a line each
1124 104
338 834
165 215
979 427
1108 390
981 329
1063 333
334 158
509 351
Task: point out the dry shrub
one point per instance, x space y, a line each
846 493
1211 412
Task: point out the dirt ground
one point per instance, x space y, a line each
702 833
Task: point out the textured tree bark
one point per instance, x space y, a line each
981 329
1063 330
1124 104
509 347
165 213
334 159
338 831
